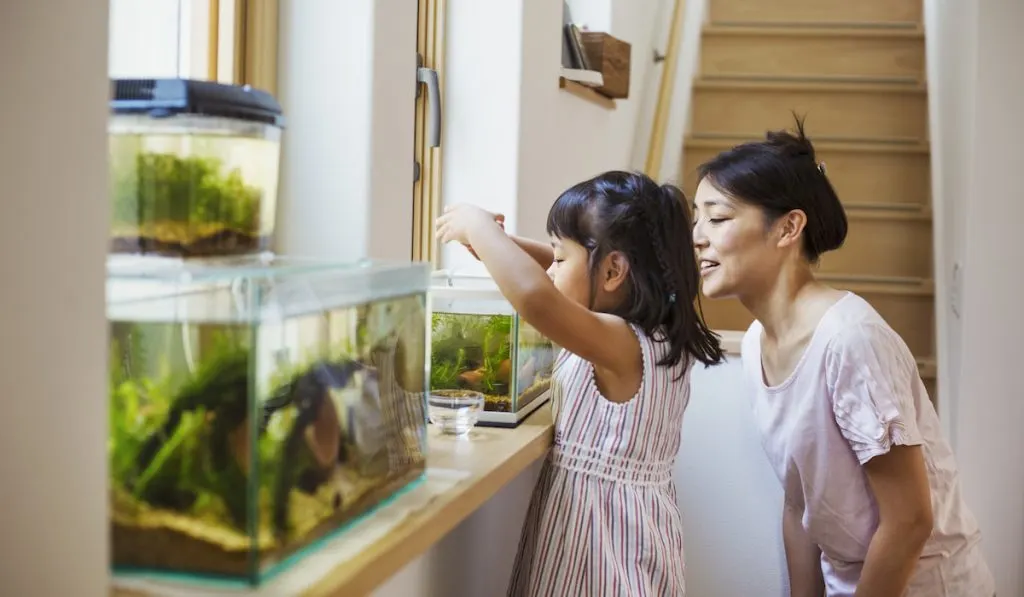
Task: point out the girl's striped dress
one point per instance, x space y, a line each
603 520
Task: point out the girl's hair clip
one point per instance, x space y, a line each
672 298
821 167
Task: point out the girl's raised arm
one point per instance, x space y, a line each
604 340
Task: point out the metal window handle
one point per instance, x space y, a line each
428 76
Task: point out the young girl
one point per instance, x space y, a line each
619 298
872 501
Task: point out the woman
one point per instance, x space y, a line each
872 496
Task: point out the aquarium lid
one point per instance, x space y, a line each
162 98
467 293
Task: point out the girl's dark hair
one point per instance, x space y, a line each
651 226
778 175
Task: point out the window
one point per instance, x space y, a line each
348 184
233 41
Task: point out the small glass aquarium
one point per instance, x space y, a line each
193 168
481 347
258 407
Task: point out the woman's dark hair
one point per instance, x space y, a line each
650 225
778 175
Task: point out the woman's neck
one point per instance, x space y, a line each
781 307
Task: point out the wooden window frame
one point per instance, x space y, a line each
426 199
243 41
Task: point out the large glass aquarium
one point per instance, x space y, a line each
480 344
193 168
257 407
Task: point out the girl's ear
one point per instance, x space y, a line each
614 271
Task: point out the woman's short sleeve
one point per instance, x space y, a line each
872 378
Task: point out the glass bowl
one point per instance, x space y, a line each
455 411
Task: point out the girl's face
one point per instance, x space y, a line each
736 252
570 271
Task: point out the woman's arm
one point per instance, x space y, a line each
874 381
899 481
803 558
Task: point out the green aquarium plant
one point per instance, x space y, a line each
473 352
198 458
191 205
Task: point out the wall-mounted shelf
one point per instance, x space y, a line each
586 93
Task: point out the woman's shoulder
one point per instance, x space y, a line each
859 342
854 325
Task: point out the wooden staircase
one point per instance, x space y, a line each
856 70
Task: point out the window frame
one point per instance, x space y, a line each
426 197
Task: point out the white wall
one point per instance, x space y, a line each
563 138
730 498
53 215
512 139
952 53
347 83
977 126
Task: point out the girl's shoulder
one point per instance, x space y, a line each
655 347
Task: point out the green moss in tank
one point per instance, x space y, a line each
163 187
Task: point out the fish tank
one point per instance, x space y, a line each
257 408
193 168
480 345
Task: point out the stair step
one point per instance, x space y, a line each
868 171
789 80
908 309
911 31
721 142
839 26
832 110
799 54
817 11
894 247
809 84
927 367
906 212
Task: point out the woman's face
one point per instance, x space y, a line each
737 251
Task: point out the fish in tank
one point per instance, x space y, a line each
235 447
193 168
497 354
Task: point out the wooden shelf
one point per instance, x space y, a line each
586 93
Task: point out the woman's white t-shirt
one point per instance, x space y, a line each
855 393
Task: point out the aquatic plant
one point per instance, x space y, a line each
164 187
476 344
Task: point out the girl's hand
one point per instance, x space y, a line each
500 219
458 220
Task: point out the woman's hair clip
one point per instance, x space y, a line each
821 167
672 298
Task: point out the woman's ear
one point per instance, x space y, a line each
614 271
790 228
